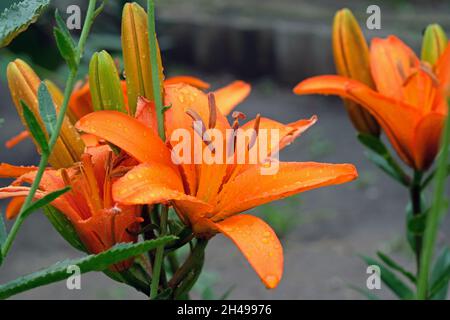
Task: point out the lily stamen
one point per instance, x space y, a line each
212 110
202 130
255 131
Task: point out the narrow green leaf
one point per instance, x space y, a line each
64 227
3 232
395 266
17 18
379 154
440 276
43 201
398 287
373 143
46 108
369 295
35 129
63 27
227 293
66 47
384 165
99 262
3 235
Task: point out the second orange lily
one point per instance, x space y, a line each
409 101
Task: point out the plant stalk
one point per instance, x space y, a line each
432 222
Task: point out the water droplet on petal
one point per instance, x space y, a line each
271 281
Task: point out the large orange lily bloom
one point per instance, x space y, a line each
209 197
410 100
98 220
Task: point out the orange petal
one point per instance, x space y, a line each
151 183
127 133
258 243
193 81
146 113
90 140
227 98
287 133
386 110
426 139
13 208
391 62
251 188
80 102
443 70
17 139
60 203
10 171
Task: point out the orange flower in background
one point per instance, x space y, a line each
98 220
410 100
209 197
351 57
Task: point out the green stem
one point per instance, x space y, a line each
432 222
193 261
54 137
415 194
159 257
154 65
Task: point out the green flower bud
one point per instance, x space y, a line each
433 44
104 83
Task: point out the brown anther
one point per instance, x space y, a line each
212 110
119 171
238 115
429 71
65 177
255 132
401 71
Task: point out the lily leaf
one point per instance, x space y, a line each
398 287
66 47
440 276
35 129
64 227
18 17
369 295
63 27
47 108
378 153
99 262
3 235
395 266
44 201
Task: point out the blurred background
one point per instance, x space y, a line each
273 45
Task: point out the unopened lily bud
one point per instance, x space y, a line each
136 55
351 57
23 84
104 83
58 97
433 44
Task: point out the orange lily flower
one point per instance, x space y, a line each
98 220
209 197
410 100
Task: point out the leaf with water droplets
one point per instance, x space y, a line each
18 17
